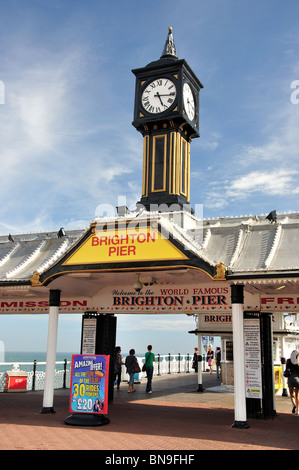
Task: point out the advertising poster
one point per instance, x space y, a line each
253 366
89 384
89 335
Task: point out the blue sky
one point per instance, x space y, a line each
67 144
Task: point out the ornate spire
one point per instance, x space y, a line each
169 48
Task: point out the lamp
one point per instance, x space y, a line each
137 285
61 233
122 210
272 217
147 280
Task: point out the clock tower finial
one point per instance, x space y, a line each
169 48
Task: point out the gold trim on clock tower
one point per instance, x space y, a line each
177 167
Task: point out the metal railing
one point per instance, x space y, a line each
172 364
164 364
36 374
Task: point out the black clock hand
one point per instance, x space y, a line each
190 104
169 94
159 96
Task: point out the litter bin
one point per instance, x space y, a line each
16 381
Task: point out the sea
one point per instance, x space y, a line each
30 356
9 357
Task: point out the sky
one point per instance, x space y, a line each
67 144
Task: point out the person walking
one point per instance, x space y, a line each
195 360
149 368
210 358
292 372
218 360
117 367
131 363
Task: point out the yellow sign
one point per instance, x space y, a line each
125 245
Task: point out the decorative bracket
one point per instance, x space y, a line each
220 272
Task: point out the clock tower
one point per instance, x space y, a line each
166 112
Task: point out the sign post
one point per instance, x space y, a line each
89 390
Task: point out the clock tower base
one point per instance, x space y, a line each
162 204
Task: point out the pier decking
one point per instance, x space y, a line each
174 417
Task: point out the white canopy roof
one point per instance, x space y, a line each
247 246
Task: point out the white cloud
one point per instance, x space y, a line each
179 322
277 182
210 142
271 168
55 143
37 102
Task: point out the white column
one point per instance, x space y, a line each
199 370
237 297
48 397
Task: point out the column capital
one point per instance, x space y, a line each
54 298
237 293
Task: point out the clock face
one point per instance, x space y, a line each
189 103
158 96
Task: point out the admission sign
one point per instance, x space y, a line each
89 384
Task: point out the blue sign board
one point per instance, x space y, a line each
89 383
